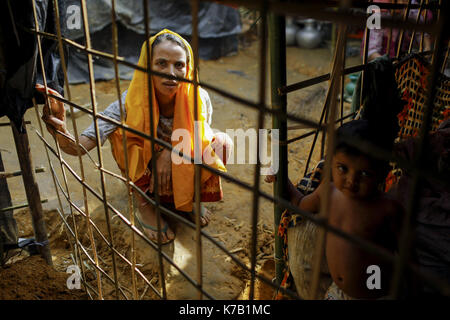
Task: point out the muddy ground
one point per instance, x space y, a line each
230 224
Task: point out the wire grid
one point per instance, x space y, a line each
327 122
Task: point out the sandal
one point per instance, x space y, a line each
155 229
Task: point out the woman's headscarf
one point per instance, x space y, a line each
138 117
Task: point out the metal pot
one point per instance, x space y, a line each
309 37
291 31
350 87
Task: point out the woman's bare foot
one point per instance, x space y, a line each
205 217
148 221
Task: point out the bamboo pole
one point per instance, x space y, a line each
5 175
257 174
325 200
19 206
277 47
405 18
419 13
6 124
32 191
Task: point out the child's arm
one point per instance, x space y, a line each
311 202
295 196
308 203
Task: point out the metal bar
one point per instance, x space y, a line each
75 127
312 132
312 81
115 44
99 152
277 45
152 131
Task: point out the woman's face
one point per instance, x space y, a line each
168 58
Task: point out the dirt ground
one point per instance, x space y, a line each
230 225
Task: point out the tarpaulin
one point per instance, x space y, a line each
218 27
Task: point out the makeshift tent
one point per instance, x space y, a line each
218 27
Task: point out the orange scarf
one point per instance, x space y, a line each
138 117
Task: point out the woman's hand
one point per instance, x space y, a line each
163 172
56 119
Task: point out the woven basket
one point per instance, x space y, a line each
411 74
412 78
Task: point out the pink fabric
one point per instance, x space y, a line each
378 39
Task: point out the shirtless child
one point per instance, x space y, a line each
359 208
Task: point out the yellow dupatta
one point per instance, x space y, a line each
138 117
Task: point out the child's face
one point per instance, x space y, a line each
354 175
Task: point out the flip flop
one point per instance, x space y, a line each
149 227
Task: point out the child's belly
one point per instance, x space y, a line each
348 265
